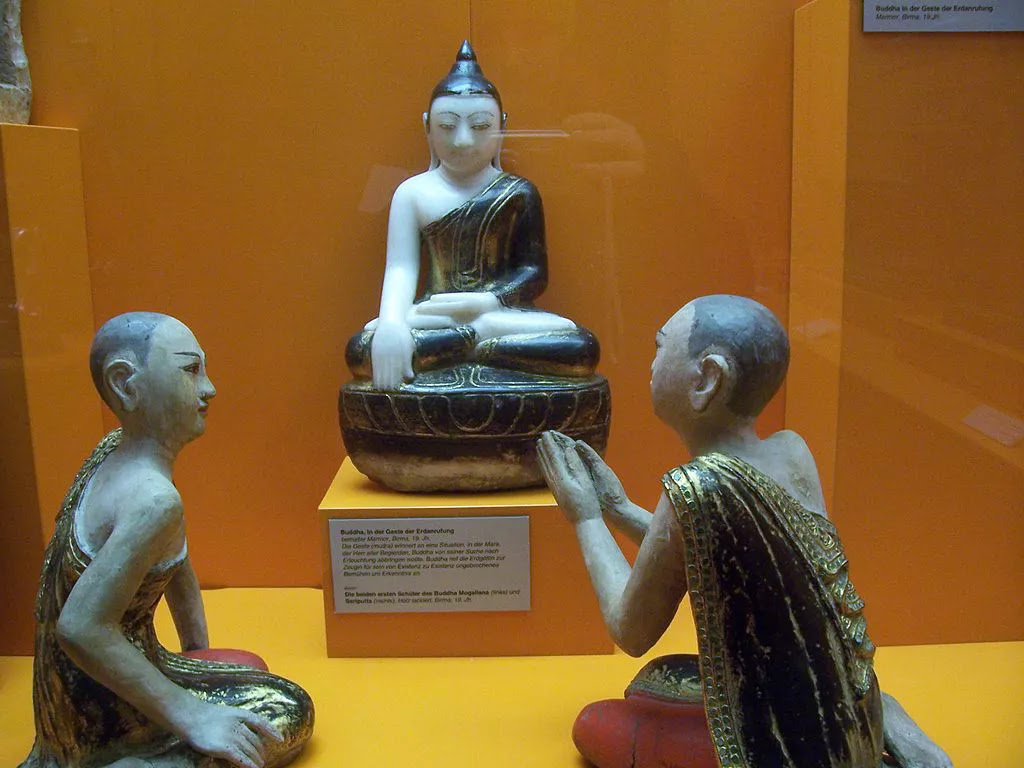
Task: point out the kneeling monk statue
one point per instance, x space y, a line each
784 673
453 387
105 692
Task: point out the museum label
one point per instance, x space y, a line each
962 16
430 564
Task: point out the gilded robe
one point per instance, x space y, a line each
82 724
785 661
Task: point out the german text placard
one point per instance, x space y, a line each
430 564
933 16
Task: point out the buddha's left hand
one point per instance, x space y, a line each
462 308
567 477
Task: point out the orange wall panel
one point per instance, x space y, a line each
821 73
933 334
908 189
238 159
43 198
49 413
21 545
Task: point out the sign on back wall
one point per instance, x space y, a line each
933 16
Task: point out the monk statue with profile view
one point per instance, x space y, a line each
461 370
105 691
784 673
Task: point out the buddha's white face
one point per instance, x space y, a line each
174 390
464 132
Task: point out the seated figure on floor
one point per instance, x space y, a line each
414 417
105 692
784 673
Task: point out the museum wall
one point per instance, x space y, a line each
238 159
929 450
22 535
905 315
47 401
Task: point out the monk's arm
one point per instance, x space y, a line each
905 740
89 625
620 511
638 613
89 632
637 605
186 605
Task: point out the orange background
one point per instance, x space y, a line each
238 159
933 330
46 320
906 315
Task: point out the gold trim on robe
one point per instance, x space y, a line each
81 723
493 242
784 655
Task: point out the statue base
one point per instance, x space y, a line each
469 427
559 621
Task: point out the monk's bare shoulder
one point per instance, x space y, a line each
148 507
801 469
792 442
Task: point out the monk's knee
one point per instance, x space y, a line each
292 712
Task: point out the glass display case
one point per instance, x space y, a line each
231 164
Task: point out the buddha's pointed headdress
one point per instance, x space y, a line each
466 77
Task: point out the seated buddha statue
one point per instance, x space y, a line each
105 691
784 675
478 233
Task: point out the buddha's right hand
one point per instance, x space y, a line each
391 354
230 733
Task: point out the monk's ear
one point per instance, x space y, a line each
426 121
120 376
504 121
715 376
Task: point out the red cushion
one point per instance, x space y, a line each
642 731
228 656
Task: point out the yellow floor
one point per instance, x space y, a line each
518 711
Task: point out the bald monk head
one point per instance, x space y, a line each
720 359
151 371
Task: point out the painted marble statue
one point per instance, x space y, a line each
784 675
105 691
453 386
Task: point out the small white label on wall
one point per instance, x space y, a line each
935 16
430 564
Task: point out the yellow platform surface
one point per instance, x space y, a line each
519 711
